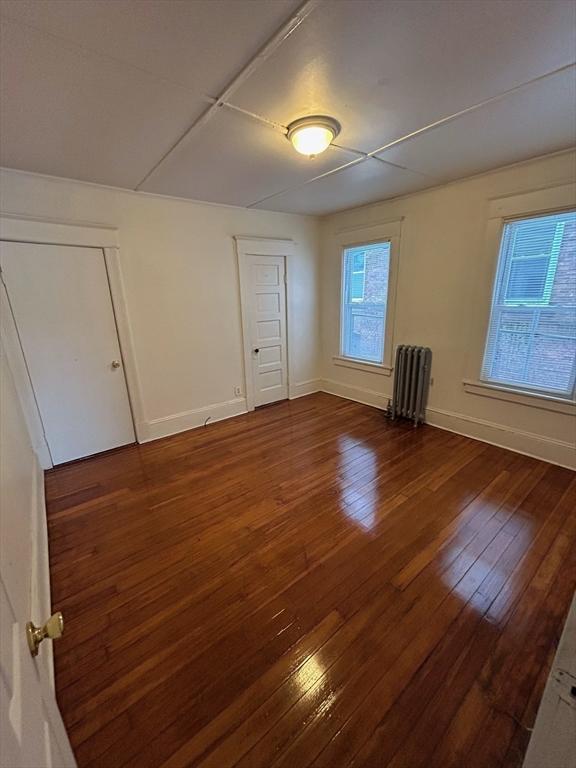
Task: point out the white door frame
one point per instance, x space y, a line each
105 239
260 246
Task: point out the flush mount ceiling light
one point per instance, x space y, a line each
312 135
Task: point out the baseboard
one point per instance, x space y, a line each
302 388
527 443
359 394
180 422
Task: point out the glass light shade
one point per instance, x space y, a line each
313 134
311 139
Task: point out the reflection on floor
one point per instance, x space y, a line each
308 585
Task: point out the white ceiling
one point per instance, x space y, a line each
111 91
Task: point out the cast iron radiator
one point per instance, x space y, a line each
411 383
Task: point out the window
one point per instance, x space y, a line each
366 271
531 341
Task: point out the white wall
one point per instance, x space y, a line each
443 236
180 278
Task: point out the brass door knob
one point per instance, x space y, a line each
53 629
115 363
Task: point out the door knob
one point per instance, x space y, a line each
256 351
53 629
115 363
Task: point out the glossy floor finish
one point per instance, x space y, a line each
308 585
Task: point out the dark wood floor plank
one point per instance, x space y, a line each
308 584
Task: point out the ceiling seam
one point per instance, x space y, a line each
368 156
273 43
418 132
163 196
403 167
473 108
284 130
309 181
260 118
73 46
298 16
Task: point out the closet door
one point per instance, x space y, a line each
60 299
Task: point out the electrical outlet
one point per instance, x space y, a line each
237 391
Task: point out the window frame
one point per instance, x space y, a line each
502 211
388 232
353 301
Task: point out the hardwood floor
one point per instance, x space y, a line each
308 585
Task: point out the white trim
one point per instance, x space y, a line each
262 246
24 389
20 229
485 278
522 397
326 217
138 193
378 233
265 246
536 201
105 239
323 217
368 232
126 339
358 394
558 197
197 417
362 365
12 348
526 443
303 388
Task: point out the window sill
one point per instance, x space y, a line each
362 365
531 399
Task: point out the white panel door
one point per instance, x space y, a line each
32 734
266 300
63 311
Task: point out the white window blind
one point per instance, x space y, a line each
366 271
531 341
